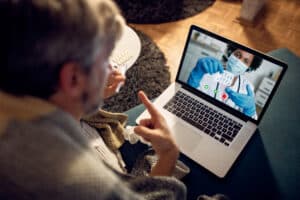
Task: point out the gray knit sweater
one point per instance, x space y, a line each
43 155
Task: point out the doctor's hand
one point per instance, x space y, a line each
205 65
114 79
210 65
244 101
156 131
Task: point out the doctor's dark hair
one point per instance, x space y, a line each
39 36
256 62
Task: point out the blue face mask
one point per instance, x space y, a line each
235 66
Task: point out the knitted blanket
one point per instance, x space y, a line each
110 127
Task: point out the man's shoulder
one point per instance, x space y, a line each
56 124
49 154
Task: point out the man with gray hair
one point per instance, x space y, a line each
53 70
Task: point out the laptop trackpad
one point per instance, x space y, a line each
186 138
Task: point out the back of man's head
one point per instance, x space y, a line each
38 36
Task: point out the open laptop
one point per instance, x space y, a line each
210 126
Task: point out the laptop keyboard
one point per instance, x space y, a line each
210 121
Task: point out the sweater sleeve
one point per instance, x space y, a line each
41 161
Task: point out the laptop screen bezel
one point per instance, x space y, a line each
240 46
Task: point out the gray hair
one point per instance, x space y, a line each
39 36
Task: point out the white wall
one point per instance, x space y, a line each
266 69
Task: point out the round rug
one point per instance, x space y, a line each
160 11
150 74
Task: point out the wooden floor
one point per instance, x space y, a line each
277 25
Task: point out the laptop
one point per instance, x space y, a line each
210 126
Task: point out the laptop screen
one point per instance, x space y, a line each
235 76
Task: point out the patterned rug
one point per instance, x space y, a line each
160 11
150 74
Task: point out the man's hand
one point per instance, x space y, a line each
115 78
156 131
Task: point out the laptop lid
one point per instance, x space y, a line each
236 78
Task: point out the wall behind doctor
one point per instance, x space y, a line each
266 69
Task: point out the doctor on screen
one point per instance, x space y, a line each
228 84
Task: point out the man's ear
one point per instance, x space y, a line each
72 79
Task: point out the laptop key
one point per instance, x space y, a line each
227 137
235 131
236 126
217 137
199 126
207 131
234 134
230 133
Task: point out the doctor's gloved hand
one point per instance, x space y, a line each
204 65
244 101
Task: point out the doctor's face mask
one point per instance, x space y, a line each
235 65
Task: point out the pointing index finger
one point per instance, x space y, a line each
148 104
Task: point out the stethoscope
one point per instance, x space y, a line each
238 89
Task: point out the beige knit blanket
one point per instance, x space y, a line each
110 127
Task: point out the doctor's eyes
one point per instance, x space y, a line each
239 55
